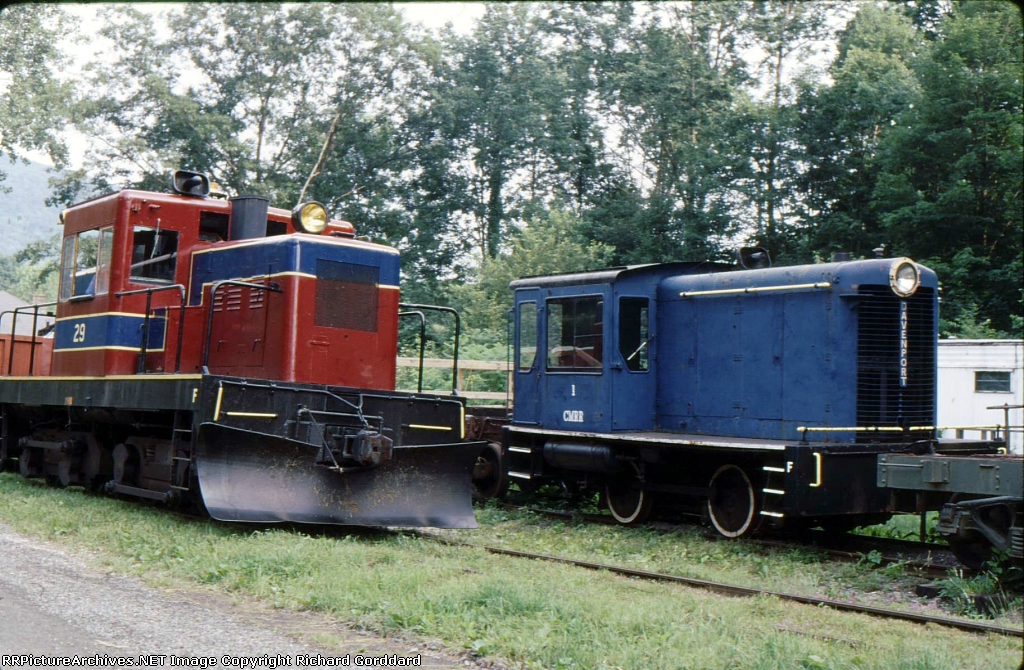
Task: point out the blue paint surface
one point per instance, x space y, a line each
108 330
285 253
752 365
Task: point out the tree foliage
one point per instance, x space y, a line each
560 135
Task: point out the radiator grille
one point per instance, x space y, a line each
346 295
885 395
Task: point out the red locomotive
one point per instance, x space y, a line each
242 356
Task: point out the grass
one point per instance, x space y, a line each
529 613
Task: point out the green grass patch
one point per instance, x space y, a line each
538 614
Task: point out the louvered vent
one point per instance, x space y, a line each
346 295
228 299
886 395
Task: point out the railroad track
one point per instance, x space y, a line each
741 591
845 547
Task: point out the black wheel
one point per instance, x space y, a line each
489 478
627 501
732 503
4 460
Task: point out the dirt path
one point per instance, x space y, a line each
55 604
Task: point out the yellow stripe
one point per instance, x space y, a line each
422 427
146 377
388 287
108 347
253 415
220 397
93 316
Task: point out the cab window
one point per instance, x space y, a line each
78 264
575 333
154 255
635 333
526 354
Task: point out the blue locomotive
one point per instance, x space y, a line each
749 393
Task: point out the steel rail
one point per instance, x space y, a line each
928 569
739 591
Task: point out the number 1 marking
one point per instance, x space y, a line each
573 390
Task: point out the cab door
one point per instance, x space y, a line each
576 396
528 361
631 366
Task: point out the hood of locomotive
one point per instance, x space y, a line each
829 347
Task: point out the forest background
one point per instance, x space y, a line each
555 136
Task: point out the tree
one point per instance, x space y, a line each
32 95
668 82
842 126
949 192
549 244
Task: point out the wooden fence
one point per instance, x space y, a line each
464 365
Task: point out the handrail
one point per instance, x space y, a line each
458 327
423 342
140 366
14 327
273 287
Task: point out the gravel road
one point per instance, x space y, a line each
56 604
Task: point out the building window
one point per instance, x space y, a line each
575 334
634 333
527 352
992 381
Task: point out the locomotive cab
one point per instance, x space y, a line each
163 283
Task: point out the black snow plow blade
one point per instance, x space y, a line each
254 477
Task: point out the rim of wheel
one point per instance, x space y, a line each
487 474
732 495
626 504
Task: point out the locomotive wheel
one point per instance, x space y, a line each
629 504
489 478
732 505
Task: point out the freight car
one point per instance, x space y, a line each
751 394
235 356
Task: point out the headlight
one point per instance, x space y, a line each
904 277
310 217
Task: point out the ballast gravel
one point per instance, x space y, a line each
53 604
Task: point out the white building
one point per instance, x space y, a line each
24 323
974 375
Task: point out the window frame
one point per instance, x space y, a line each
173 256
644 340
575 299
519 337
71 269
1009 381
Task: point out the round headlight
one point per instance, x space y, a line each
310 217
904 278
